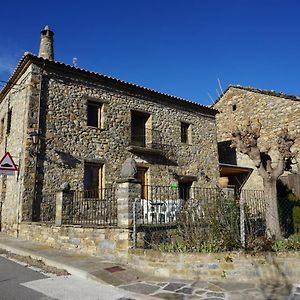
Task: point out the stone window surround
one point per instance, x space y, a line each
188 140
9 120
148 123
2 128
96 163
102 108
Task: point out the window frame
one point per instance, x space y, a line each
2 129
99 106
140 133
100 178
9 122
185 135
143 175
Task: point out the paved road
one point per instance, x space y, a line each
18 282
12 275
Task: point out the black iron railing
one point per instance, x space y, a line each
161 205
147 138
91 208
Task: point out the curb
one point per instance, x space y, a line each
73 271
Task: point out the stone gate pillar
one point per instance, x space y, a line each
128 190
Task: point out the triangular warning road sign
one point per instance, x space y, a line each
7 163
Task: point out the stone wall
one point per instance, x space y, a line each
16 142
215 266
69 141
273 112
108 243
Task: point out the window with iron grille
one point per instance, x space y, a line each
185 134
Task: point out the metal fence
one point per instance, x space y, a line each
91 208
162 204
206 214
48 207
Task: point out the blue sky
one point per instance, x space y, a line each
177 47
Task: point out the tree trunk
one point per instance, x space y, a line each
272 216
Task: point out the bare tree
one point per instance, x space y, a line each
245 140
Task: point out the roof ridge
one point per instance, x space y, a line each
61 64
257 90
250 88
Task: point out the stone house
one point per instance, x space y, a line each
66 126
273 110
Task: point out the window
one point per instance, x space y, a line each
138 128
142 175
184 189
94 114
234 107
9 122
2 129
185 133
93 179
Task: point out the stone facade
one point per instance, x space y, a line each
66 120
14 118
273 110
52 101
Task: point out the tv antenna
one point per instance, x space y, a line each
75 60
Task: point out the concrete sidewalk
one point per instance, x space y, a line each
144 286
84 266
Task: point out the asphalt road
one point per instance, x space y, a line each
18 282
12 275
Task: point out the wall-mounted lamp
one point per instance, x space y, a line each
35 138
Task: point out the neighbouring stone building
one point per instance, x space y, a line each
273 110
68 126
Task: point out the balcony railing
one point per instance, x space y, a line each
145 138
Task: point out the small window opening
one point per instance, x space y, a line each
185 133
139 131
234 107
142 176
9 122
184 189
2 129
94 114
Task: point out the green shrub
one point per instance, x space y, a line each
210 227
290 244
296 219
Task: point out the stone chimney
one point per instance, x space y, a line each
46 45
